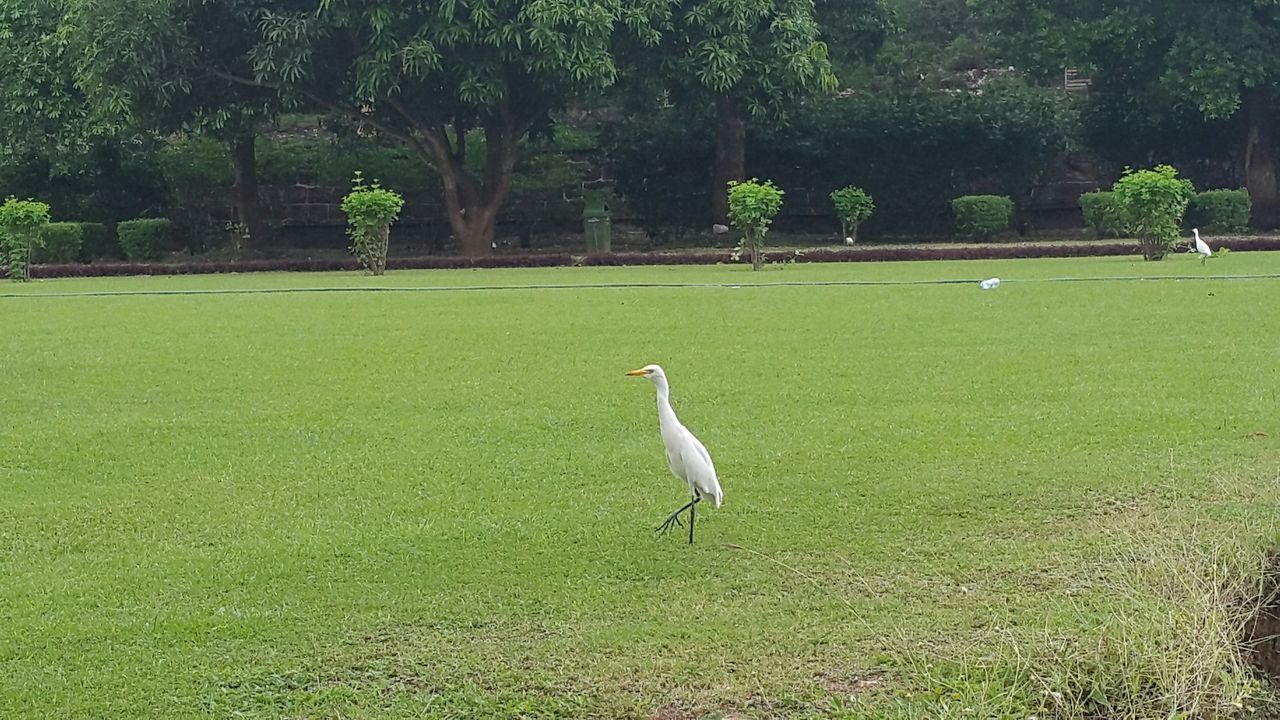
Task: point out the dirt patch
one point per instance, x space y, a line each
1262 631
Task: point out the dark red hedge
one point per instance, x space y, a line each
863 254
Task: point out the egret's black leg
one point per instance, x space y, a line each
693 514
674 518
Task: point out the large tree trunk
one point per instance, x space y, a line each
473 206
248 207
731 157
1259 162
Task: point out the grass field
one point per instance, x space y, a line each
441 504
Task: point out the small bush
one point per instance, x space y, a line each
1103 214
1154 202
752 206
982 216
370 211
98 242
62 243
1220 211
144 239
21 232
853 206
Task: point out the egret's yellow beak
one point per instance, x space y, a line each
637 373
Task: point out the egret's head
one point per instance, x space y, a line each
1196 232
652 372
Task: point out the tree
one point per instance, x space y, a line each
450 80
44 111
1219 58
163 64
737 60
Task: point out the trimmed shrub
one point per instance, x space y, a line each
853 206
370 211
62 243
98 242
982 216
144 239
1220 211
1103 214
21 232
752 206
1154 202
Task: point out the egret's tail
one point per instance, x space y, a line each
717 497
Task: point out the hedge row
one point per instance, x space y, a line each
107 269
1213 211
865 254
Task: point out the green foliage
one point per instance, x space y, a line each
663 170
1220 211
853 206
195 164
370 211
196 170
99 242
113 180
1104 214
163 66
915 152
980 217
146 238
752 207
62 243
545 187
330 163
763 55
1215 63
854 30
22 223
1154 202
1209 59
45 113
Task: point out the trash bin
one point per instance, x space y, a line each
597 221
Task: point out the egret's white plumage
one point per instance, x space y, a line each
686 455
1202 247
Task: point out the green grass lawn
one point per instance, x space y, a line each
441 504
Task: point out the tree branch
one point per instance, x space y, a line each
416 127
460 144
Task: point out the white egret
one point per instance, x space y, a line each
848 240
1202 247
686 456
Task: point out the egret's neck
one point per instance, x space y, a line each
666 416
